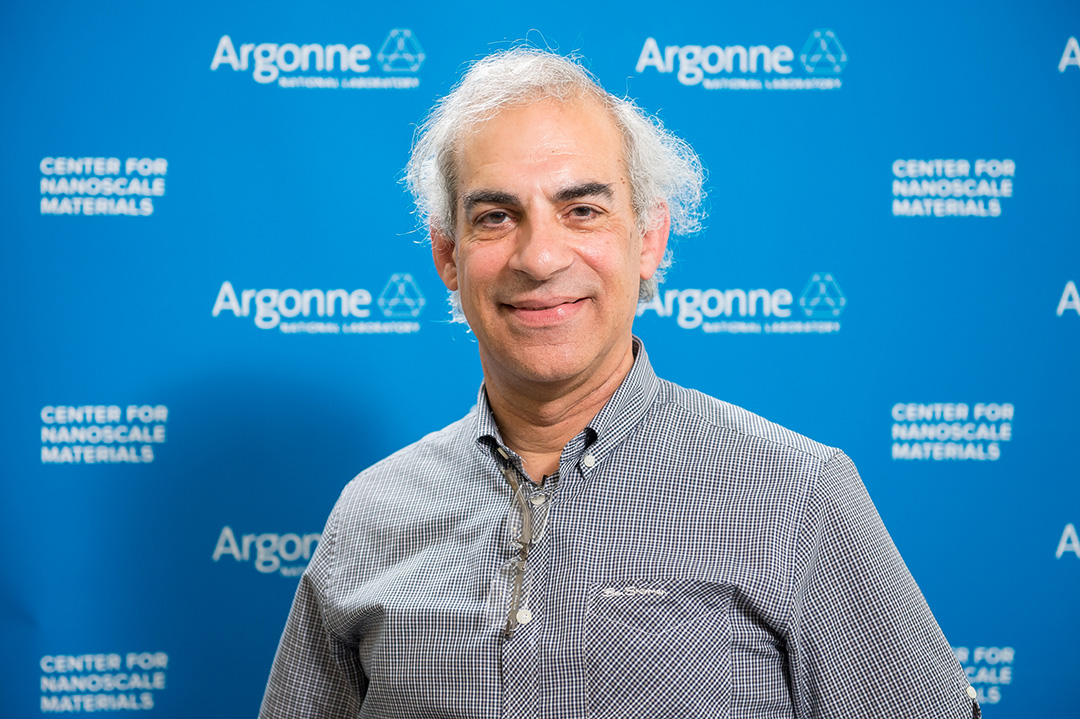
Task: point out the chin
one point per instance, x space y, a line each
550 362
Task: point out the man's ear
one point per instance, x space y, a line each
445 257
654 241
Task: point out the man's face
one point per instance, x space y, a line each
547 256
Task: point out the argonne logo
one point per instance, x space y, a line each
740 67
823 54
315 311
401 298
401 52
740 311
342 66
822 298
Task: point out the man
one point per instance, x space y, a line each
590 540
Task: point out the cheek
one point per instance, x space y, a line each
614 262
478 268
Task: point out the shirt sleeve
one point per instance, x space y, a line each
861 640
315 673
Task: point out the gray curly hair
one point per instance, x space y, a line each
663 170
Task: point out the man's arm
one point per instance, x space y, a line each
861 639
315 673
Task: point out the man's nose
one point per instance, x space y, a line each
542 248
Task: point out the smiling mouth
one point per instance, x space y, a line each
541 306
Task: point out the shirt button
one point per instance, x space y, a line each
971 692
538 499
524 616
588 460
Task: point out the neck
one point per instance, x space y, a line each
536 420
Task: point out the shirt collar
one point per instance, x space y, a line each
486 429
623 411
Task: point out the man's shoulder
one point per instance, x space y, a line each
424 461
403 490
436 447
705 416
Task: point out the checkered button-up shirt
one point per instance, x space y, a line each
690 559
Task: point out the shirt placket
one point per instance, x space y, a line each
522 668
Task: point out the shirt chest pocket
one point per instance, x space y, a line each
658 648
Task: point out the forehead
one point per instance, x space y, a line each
543 142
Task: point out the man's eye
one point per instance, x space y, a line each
583 212
492 219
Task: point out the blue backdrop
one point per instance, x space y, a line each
222 309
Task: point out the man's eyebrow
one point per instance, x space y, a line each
489 197
585 189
